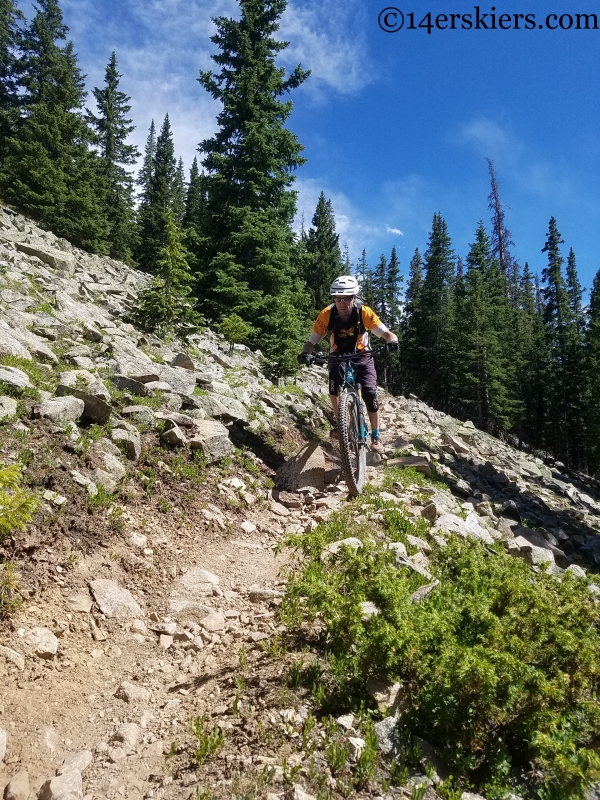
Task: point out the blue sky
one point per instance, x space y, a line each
396 127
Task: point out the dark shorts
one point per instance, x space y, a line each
364 369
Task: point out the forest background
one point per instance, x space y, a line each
482 334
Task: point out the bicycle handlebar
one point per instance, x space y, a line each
339 357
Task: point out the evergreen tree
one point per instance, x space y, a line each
380 287
501 238
575 366
112 128
364 276
249 164
393 282
179 193
49 172
144 178
167 306
556 314
346 265
592 394
324 262
433 322
157 203
195 200
10 18
481 319
409 341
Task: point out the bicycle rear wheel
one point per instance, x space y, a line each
353 452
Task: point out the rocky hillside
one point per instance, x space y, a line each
150 575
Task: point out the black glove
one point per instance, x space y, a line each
304 358
392 346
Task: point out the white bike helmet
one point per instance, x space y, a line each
344 286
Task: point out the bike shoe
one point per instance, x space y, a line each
376 444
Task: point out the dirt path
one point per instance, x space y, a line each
121 689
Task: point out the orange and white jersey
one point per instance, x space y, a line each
351 334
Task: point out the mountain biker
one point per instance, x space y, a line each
349 322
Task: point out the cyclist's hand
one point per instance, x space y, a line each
304 358
393 346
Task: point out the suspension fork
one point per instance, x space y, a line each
362 422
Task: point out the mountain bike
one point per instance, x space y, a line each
353 429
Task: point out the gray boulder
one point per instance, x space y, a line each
68 786
8 407
60 409
305 470
14 377
95 409
127 384
61 261
131 442
114 600
212 438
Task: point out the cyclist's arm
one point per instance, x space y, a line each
318 332
374 325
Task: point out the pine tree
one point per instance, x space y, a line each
144 178
380 287
10 18
195 200
346 265
433 322
50 173
364 276
575 366
249 166
409 341
112 128
393 282
592 393
157 201
556 315
179 193
481 322
324 262
501 238
167 306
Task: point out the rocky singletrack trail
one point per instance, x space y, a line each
152 573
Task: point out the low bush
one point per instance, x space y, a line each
500 666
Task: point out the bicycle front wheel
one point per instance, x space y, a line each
352 450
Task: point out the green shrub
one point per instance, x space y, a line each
17 505
500 666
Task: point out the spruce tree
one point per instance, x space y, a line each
167 306
556 316
575 366
249 165
195 200
324 259
592 393
179 193
49 172
364 276
393 292
144 178
409 341
158 200
433 319
112 127
380 287
10 18
501 238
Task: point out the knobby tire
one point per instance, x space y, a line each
354 456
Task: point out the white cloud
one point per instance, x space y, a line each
395 231
326 38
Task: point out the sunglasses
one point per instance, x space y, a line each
343 299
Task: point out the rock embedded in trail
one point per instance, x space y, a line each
3 743
68 786
42 641
114 600
212 438
18 787
14 377
305 470
133 693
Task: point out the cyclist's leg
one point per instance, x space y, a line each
367 376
